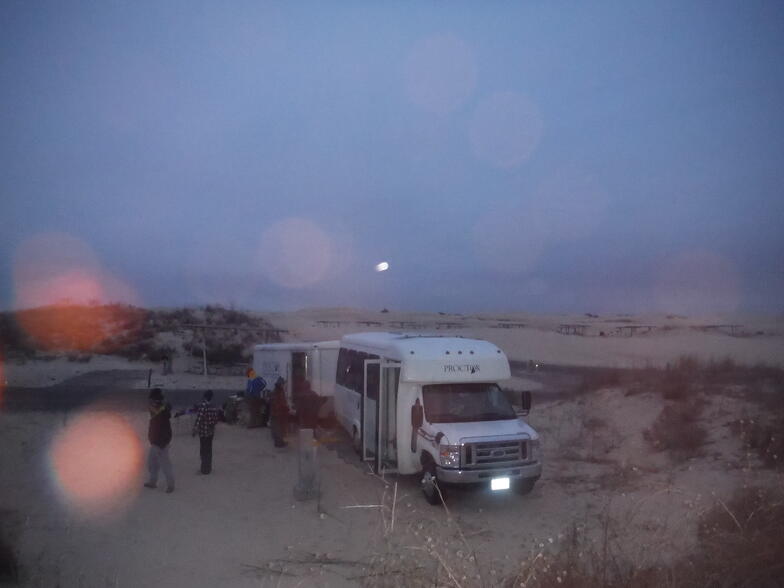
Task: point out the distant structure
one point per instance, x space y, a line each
631 330
733 330
572 329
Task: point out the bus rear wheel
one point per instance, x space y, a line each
356 442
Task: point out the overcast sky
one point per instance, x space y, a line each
542 156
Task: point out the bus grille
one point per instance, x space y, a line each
494 453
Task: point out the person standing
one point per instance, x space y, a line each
253 397
204 426
159 435
308 408
279 414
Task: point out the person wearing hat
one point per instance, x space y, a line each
159 434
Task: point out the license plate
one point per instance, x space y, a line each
499 484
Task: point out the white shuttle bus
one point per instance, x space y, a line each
296 362
432 406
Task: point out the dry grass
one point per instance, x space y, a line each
739 546
762 430
764 436
598 378
742 541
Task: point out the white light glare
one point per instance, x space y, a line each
499 484
382 267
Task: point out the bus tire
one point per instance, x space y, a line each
434 494
243 414
523 487
356 442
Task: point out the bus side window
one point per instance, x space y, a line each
355 372
341 376
372 378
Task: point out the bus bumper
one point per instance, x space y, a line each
525 471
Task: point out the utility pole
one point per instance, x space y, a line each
204 349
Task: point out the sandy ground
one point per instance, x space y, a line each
42 373
656 340
241 526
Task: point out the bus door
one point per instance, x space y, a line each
379 414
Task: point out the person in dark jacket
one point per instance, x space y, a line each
159 434
279 414
204 426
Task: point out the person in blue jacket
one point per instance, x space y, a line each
254 397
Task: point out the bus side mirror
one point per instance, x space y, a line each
417 415
525 403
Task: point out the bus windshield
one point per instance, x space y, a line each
462 403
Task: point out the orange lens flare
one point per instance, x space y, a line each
62 295
63 325
96 460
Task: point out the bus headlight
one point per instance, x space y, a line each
450 455
536 449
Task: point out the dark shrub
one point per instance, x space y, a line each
225 354
677 429
13 339
598 378
9 566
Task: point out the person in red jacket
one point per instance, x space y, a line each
279 414
159 434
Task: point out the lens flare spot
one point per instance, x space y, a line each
96 460
440 73
71 287
54 267
382 267
505 129
61 294
295 253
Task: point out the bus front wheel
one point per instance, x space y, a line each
430 488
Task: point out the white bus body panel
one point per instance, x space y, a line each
435 359
428 360
274 360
